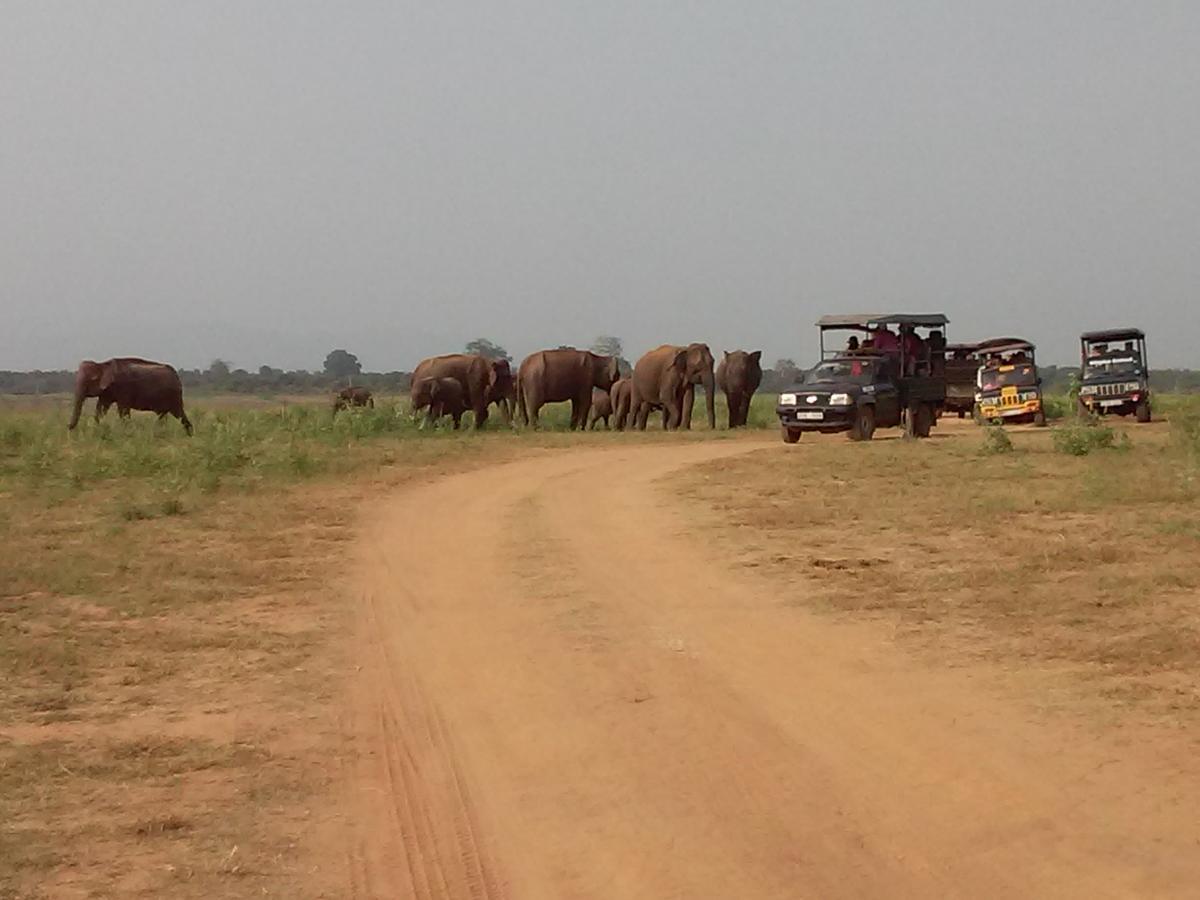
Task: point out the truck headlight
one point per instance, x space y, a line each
839 400
1087 390
787 399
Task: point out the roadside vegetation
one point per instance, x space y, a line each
1079 567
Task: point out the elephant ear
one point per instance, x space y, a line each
726 352
681 360
756 356
108 376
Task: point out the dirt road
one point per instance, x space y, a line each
561 695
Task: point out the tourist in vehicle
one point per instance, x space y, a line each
914 349
937 352
852 344
885 341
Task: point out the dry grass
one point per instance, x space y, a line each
1084 567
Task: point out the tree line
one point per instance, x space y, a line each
342 368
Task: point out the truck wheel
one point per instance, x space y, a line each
1143 411
977 414
1039 418
919 421
863 428
961 414
790 435
1081 409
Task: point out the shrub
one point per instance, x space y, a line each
1058 406
1081 438
996 440
1185 432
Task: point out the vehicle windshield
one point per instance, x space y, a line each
993 378
857 371
1107 365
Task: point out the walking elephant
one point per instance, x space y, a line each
352 396
738 376
555 376
620 396
601 408
446 398
659 368
130 383
479 377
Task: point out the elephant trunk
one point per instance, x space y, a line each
710 399
81 394
76 411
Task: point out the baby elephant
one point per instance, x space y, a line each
446 398
601 408
352 396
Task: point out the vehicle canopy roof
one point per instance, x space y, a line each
867 321
963 347
1113 334
1004 345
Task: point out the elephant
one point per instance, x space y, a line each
503 389
352 396
738 376
655 377
446 398
553 376
130 383
601 408
620 396
481 379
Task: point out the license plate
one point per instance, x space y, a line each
1112 402
810 415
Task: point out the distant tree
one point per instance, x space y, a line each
608 345
487 349
269 373
218 368
340 364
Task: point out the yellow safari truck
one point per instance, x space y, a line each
1009 388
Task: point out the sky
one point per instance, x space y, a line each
263 181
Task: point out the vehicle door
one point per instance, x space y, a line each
887 394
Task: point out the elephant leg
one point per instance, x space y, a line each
457 417
689 397
640 414
122 411
185 421
745 413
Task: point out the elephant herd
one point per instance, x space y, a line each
663 379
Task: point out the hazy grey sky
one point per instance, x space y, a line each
264 181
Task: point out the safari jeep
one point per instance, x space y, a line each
962 378
1114 377
1010 389
882 380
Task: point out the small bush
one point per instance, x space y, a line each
1081 438
1185 432
996 440
1058 406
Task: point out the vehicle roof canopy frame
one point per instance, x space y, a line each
1005 345
869 321
1113 334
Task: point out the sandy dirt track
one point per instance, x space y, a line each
562 695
